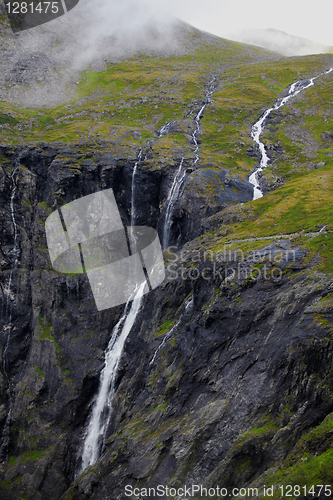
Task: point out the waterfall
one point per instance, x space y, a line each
171 201
258 127
165 129
188 305
133 188
178 180
5 437
196 131
102 408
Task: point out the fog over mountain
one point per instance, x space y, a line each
40 66
96 28
89 36
284 43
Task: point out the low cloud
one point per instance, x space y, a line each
97 29
279 41
40 65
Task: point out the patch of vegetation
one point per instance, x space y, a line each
44 332
306 472
300 209
39 371
44 329
267 427
165 327
27 456
4 118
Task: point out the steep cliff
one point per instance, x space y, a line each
226 376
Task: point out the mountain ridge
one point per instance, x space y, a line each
282 42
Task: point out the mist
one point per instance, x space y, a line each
279 41
40 66
108 28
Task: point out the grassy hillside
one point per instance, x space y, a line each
127 104
139 94
132 99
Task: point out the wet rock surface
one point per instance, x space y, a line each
236 359
248 349
206 192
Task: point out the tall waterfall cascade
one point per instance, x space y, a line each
102 408
258 128
176 189
8 328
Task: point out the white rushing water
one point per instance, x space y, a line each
101 412
196 131
179 178
258 127
5 437
171 202
133 188
165 129
188 306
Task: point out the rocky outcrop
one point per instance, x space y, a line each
250 353
206 192
232 389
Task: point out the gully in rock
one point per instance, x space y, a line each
196 131
171 201
188 307
133 188
258 128
175 192
102 408
5 438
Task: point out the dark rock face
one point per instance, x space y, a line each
205 192
249 346
327 137
236 358
57 337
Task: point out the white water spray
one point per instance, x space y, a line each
196 131
133 188
188 306
258 127
5 437
166 129
171 202
102 408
